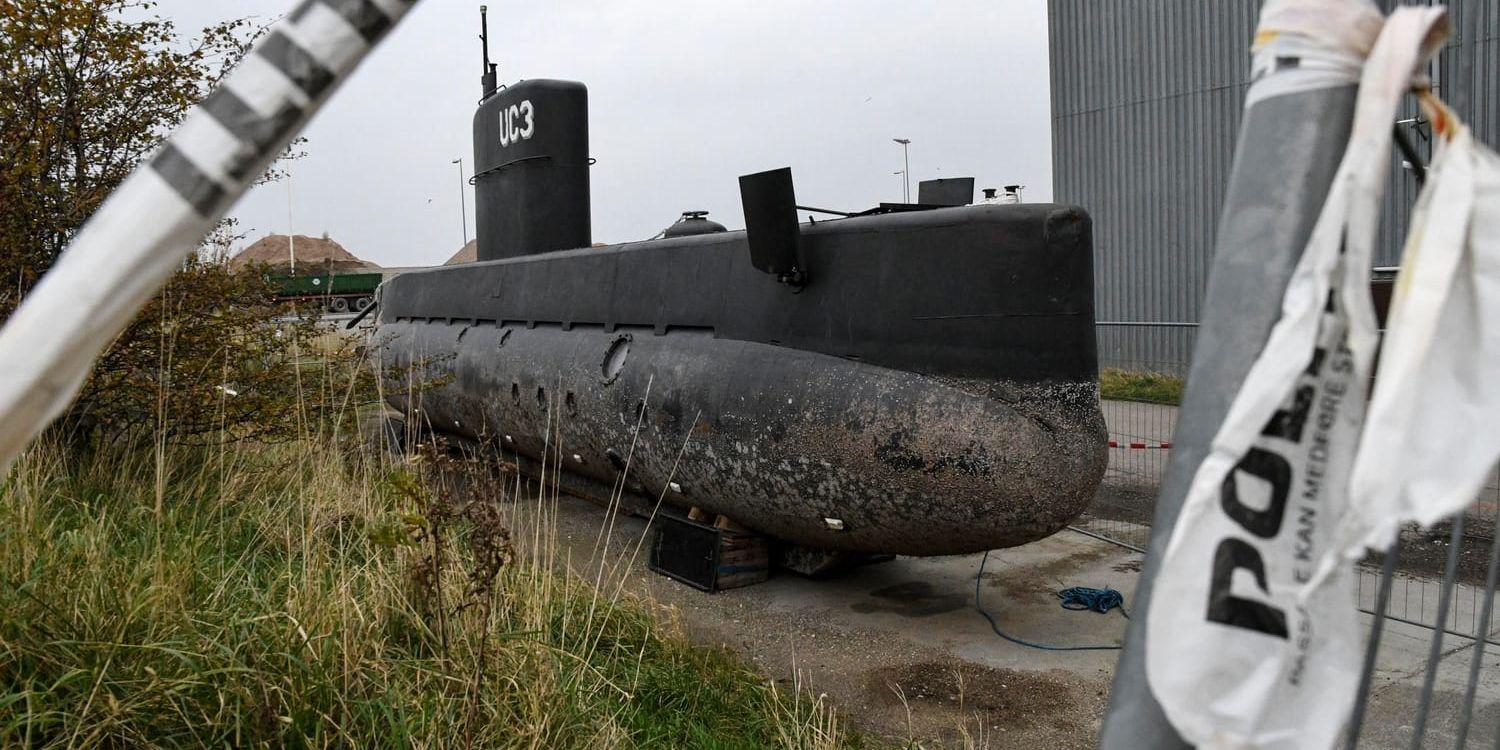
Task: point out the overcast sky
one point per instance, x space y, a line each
684 97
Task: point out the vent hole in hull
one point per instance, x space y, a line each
615 460
614 359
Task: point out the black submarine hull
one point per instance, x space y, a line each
932 390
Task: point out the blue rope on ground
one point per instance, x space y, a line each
1078 598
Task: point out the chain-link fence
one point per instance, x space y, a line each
1143 367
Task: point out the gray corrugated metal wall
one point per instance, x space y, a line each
1470 67
1146 101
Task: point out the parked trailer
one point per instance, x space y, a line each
337 292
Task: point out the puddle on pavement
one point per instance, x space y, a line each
911 599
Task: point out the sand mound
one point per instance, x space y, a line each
467 254
311 251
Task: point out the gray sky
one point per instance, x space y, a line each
684 97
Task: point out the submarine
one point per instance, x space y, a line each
914 379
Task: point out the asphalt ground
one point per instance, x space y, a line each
900 649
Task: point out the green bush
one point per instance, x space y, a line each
87 90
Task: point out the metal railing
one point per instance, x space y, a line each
1140 428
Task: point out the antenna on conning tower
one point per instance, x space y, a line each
490 79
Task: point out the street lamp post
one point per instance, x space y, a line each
291 230
463 210
905 168
902 174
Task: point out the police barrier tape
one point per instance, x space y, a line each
1140 446
161 212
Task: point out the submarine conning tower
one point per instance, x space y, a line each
531 181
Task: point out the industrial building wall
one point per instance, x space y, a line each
1146 104
1469 69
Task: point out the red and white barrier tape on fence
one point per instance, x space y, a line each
160 214
1141 446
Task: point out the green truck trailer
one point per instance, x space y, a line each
335 291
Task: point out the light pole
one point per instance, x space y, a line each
291 231
463 210
905 168
902 174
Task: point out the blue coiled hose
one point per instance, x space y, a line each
1078 598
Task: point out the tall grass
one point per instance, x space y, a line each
302 595
1133 385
